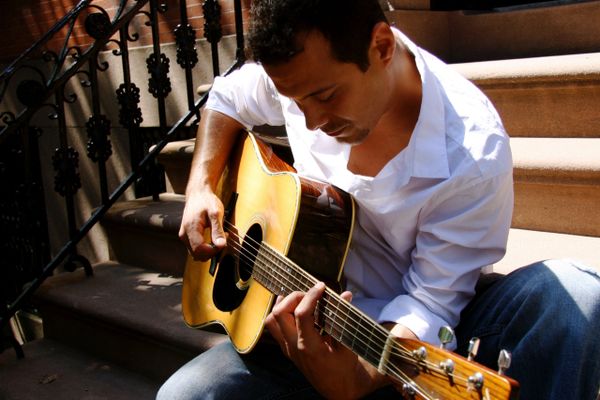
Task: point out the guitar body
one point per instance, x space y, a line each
266 202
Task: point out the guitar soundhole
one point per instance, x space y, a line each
235 270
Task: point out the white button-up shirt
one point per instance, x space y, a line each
436 214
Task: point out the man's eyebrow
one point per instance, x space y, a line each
318 91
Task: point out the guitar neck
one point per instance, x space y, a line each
422 370
334 315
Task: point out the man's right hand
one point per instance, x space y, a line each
203 210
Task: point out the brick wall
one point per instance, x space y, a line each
24 22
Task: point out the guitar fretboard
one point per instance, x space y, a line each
335 316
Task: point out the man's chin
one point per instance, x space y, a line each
354 139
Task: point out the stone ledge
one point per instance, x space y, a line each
51 370
461 36
557 160
129 315
563 69
553 96
527 246
144 213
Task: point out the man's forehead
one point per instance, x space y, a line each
307 73
300 86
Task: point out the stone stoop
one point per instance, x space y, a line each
126 315
542 97
125 320
116 335
557 185
144 233
52 370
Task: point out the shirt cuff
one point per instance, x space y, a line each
409 312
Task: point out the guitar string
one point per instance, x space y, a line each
406 355
397 349
282 278
391 370
403 353
300 284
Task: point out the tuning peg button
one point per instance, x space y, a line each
473 348
446 336
504 360
408 391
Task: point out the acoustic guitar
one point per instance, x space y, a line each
286 233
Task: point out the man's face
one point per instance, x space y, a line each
336 97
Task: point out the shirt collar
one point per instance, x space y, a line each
426 152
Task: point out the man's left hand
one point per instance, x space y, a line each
334 370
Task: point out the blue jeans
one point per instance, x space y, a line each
547 315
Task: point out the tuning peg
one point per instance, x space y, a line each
504 360
446 335
473 348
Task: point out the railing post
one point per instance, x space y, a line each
187 57
212 30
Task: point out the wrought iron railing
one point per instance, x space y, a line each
38 78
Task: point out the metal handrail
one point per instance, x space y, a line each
119 23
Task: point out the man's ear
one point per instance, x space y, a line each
383 43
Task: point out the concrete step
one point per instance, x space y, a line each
557 182
555 96
463 36
52 370
557 185
527 246
143 233
176 158
129 316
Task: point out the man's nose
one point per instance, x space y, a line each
314 115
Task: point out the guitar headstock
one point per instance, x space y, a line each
429 372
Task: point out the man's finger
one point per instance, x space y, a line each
283 313
273 328
304 315
217 233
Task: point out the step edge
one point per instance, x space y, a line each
562 70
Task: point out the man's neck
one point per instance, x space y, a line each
392 133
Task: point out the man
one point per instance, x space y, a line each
427 160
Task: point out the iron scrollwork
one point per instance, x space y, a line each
98 25
31 93
185 37
159 84
212 21
128 97
98 130
66 164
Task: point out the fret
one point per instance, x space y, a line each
358 344
333 312
373 353
324 314
347 336
294 277
259 272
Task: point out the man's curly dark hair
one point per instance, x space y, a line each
347 24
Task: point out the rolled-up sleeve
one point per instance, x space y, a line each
248 96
